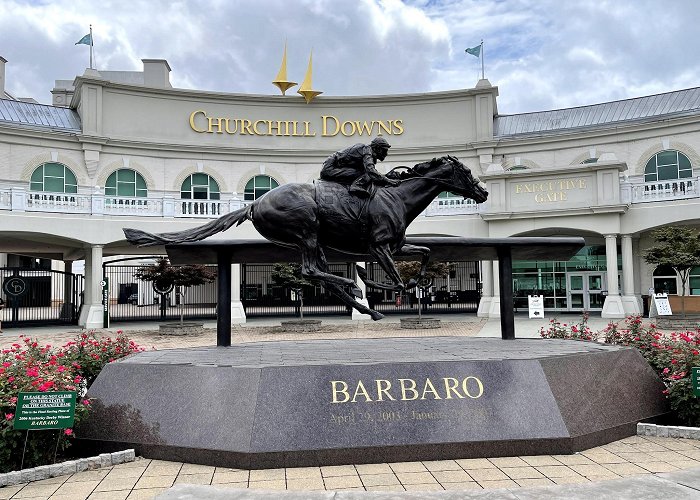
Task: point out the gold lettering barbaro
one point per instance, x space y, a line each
331 126
406 389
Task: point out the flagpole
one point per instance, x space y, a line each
91 43
482 59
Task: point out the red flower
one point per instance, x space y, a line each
9 416
68 432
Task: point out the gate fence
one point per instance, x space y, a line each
134 300
459 292
39 297
261 297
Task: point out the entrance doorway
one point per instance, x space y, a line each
585 291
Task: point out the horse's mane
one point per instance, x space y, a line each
403 172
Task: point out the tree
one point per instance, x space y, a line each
165 276
677 247
289 276
410 268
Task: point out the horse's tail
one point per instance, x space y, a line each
144 239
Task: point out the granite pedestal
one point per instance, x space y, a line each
329 402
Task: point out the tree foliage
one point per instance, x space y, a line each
410 268
288 275
677 247
163 273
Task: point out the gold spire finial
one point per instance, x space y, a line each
281 81
305 89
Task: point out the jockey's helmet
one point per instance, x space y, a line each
379 142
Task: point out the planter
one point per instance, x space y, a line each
302 325
181 328
692 304
678 321
419 324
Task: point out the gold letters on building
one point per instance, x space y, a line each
330 126
548 191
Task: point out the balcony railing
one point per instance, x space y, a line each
20 200
644 192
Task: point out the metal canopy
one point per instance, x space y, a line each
443 248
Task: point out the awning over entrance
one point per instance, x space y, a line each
443 248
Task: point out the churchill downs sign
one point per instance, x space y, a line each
327 126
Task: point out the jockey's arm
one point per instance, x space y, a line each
372 172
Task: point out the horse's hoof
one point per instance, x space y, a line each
376 315
356 292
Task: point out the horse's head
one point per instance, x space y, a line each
461 180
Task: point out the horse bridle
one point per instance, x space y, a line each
452 160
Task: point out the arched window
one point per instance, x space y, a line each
53 178
258 186
200 187
126 182
665 280
668 165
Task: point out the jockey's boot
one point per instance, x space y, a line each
361 187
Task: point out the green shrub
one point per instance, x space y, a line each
28 367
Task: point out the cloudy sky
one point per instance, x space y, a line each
542 54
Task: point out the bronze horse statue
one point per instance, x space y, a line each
311 217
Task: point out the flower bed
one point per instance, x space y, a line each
29 367
671 355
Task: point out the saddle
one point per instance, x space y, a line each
339 207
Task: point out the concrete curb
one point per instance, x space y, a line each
673 431
70 467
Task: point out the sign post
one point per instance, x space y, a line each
105 302
535 304
663 307
45 410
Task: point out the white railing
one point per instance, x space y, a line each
677 189
451 206
20 200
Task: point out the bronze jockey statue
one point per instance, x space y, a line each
355 166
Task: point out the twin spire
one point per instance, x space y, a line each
305 90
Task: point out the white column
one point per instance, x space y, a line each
237 311
67 306
3 260
486 289
91 314
357 315
495 311
612 308
631 301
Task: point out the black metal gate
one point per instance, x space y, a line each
459 292
135 300
261 297
39 297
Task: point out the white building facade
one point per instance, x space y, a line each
125 149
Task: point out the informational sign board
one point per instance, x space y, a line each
535 305
695 377
663 308
45 410
105 302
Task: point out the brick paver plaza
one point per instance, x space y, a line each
145 479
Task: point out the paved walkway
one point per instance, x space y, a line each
644 459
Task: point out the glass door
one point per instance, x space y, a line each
584 291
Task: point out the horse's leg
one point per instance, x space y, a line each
383 256
362 273
348 300
311 265
413 250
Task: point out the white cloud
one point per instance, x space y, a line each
543 54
